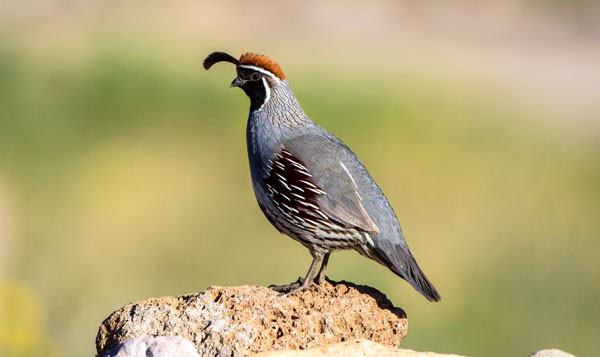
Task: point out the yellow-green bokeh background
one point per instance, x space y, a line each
123 170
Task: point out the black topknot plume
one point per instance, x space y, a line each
219 57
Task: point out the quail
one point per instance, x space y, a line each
310 185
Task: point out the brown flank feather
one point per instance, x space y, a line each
262 61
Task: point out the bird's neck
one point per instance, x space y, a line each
281 110
280 118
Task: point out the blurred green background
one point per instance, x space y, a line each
123 170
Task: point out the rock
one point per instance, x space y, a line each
356 348
225 321
551 353
163 346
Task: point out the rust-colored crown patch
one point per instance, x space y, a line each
262 61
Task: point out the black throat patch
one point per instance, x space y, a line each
254 87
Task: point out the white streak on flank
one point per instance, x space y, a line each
301 198
326 223
310 222
285 185
290 208
322 215
308 183
316 191
310 205
281 178
305 173
271 189
369 240
351 178
297 165
297 188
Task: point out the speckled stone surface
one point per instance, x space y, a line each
225 321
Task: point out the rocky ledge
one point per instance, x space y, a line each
334 319
238 321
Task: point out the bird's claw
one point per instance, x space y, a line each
287 288
297 286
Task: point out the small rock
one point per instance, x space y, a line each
357 348
226 321
551 353
163 346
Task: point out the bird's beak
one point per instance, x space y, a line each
237 82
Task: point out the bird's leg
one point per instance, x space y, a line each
321 275
301 284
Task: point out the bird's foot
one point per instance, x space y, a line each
320 278
286 288
290 289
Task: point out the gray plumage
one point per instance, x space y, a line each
310 185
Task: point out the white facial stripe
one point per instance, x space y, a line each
267 93
261 70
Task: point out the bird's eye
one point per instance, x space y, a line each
255 76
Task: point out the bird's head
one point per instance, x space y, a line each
257 75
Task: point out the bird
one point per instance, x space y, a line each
310 185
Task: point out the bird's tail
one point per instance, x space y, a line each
415 276
403 264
